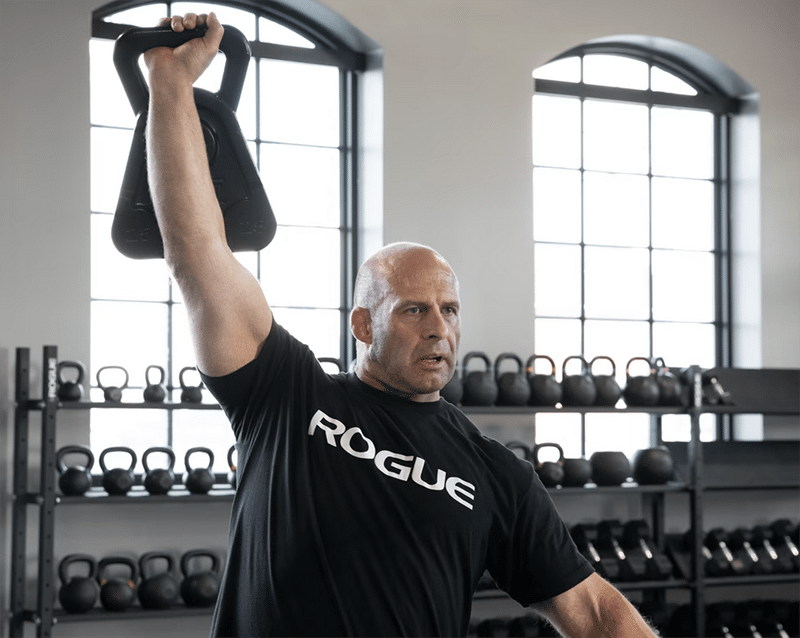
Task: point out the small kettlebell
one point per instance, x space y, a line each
159 480
232 466
199 480
512 387
199 588
70 390
78 594
653 466
113 393
74 480
160 589
545 388
578 389
453 390
670 389
117 481
608 390
155 392
190 393
480 387
641 390
116 593
551 473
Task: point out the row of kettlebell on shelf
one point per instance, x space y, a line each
156 588
70 385
76 480
525 387
651 466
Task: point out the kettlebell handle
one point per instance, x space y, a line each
539 446
116 560
76 558
194 553
76 365
151 450
529 366
108 450
133 42
584 366
606 358
105 387
502 357
74 449
149 557
649 363
204 450
477 355
161 371
333 360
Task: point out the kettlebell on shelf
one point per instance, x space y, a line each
453 390
232 466
545 388
670 388
641 390
74 480
116 594
113 393
578 389
154 392
117 481
70 390
653 466
610 468
199 480
160 589
78 594
480 387
199 588
551 473
159 480
608 390
190 393
577 472
512 387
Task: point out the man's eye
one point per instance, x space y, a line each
414 310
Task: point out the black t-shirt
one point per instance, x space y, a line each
361 513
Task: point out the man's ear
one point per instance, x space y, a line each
361 324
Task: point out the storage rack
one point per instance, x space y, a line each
769 392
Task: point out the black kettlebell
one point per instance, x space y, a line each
113 393
117 481
78 594
610 468
512 387
578 389
74 480
551 473
653 466
159 590
453 390
577 472
116 594
155 392
70 390
545 388
641 390
199 588
190 393
159 480
199 480
670 388
480 387
608 390
232 466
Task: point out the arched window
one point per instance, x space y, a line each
298 112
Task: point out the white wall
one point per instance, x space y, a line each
457 87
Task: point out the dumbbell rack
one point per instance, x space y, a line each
771 388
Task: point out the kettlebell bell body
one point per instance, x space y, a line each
610 468
653 466
608 390
545 388
190 393
117 481
232 466
670 389
155 392
578 389
577 472
453 390
159 590
116 593
551 473
78 594
159 480
480 387
113 393
74 480
512 387
199 588
641 390
70 390
199 480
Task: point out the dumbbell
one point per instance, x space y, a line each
741 543
717 538
783 528
609 534
585 536
761 540
775 616
720 619
748 617
714 563
636 534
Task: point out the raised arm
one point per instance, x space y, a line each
229 317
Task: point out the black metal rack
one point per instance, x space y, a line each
781 389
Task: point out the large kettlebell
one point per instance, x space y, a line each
551 473
113 393
159 480
232 466
608 390
453 390
74 480
480 387
199 480
610 468
160 589
641 390
577 472
155 392
578 389
190 393
512 387
545 388
247 215
199 588
653 466
116 593
117 481
70 390
670 389
78 594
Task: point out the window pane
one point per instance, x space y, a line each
564 429
110 149
269 31
557 338
617 283
683 214
615 137
302 184
318 329
684 344
564 70
557 280
301 267
207 428
615 70
683 286
246 111
617 432
616 209
136 429
679 428
620 340
556 131
301 103
556 205
245 21
665 82
109 104
683 142
144 16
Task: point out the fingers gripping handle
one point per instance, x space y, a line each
134 42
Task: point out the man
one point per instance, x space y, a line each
365 505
